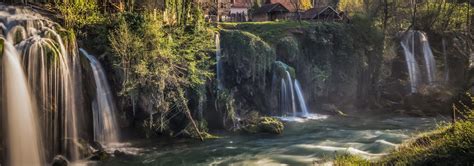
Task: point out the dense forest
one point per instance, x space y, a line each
171 82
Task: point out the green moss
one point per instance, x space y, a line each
264 125
350 160
447 145
288 48
271 125
207 135
246 56
280 68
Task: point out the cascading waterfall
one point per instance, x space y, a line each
23 136
105 121
410 51
42 76
430 62
287 101
220 86
291 92
283 97
301 101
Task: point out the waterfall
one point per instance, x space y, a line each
410 51
23 135
220 86
283 97
446 66
301 101
287 102
291 93
105 120
41 76
430 62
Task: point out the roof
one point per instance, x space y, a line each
313 12
268 8
241 4
286 3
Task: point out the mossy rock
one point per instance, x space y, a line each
288 48
265 125
245 56
280 68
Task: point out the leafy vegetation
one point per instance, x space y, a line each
161 61
77 14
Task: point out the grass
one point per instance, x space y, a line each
269 30
447 145
350 160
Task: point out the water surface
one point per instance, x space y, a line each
302 143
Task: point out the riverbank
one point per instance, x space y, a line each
448 144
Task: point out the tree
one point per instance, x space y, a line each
300 6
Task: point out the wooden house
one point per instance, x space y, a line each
270 12
327 13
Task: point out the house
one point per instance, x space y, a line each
286 3
270 12
240 6
322 13
239 10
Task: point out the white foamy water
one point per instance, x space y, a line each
303 142
302 118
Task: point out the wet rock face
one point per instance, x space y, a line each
331 65
429 99
246 64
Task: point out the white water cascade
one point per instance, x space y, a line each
430 62
291 92
105 120
220 86
23 135
287 101
41 77
411 50
301 100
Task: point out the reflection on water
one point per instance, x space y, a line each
302 143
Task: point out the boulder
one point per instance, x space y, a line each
60 160
265 125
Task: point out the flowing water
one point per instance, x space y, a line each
411 48
291 92
301 100
430 62
218 63
42 76
23 137
287 102
302 143
106 130
412 65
